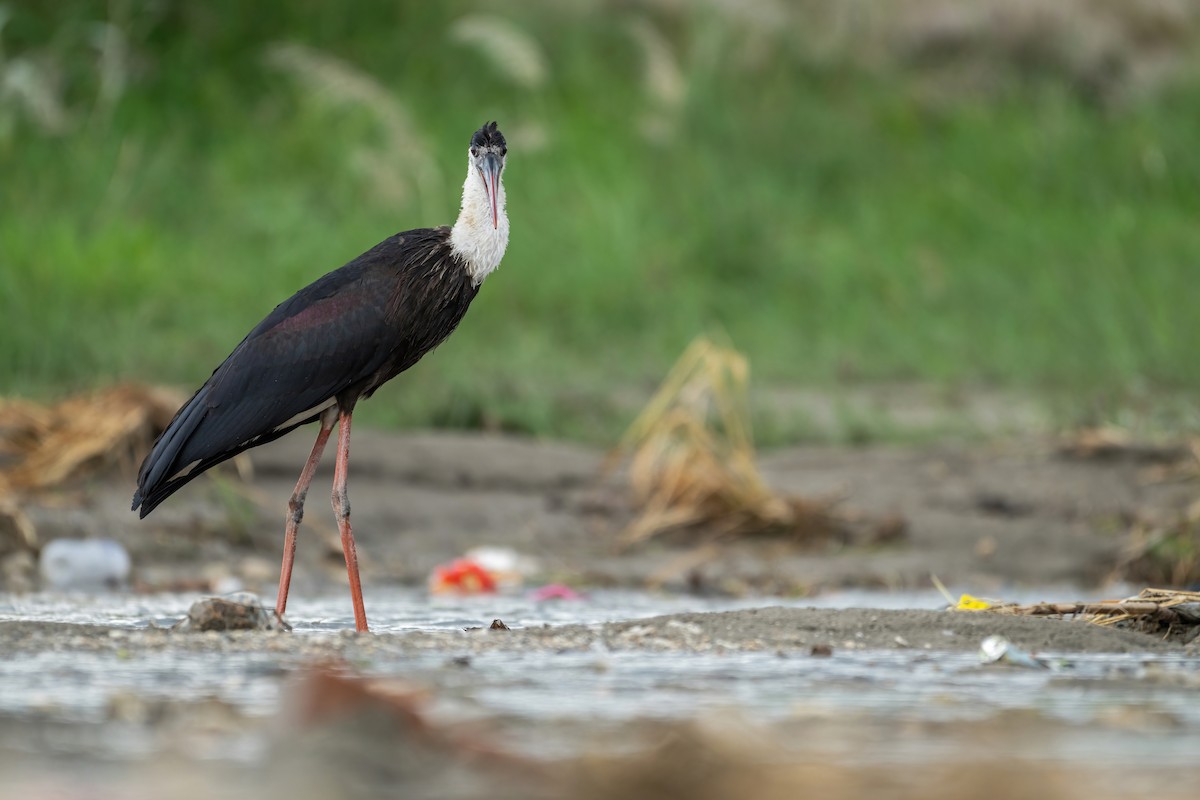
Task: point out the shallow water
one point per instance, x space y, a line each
398 610
1097 696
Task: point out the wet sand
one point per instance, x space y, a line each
780 630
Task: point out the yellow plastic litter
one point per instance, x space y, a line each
970 603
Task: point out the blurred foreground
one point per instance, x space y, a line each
762 703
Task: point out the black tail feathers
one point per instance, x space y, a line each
154 478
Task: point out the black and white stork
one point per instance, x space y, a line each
332 344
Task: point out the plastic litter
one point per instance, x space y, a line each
85 564
508 567
462 576
971 603
998 650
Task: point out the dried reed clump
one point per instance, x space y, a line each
45 446
403 160
692 461
1159 611
1168 612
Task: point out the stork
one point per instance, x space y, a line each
333 343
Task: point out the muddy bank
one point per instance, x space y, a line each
979 516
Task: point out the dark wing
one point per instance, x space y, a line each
328 337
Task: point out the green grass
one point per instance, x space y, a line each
834 226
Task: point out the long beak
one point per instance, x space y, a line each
489 170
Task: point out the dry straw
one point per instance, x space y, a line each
46 446
692 460
1162 611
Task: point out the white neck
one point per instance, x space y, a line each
474 238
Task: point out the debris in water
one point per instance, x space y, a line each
497 625
998 650
236 612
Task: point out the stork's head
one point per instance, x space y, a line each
488 152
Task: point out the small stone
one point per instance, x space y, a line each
821 650
236 612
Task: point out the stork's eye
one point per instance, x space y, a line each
503 151
474 151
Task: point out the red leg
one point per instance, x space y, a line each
341 508
296 508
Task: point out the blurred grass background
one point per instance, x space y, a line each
997 193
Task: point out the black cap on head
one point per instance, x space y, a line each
489 136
